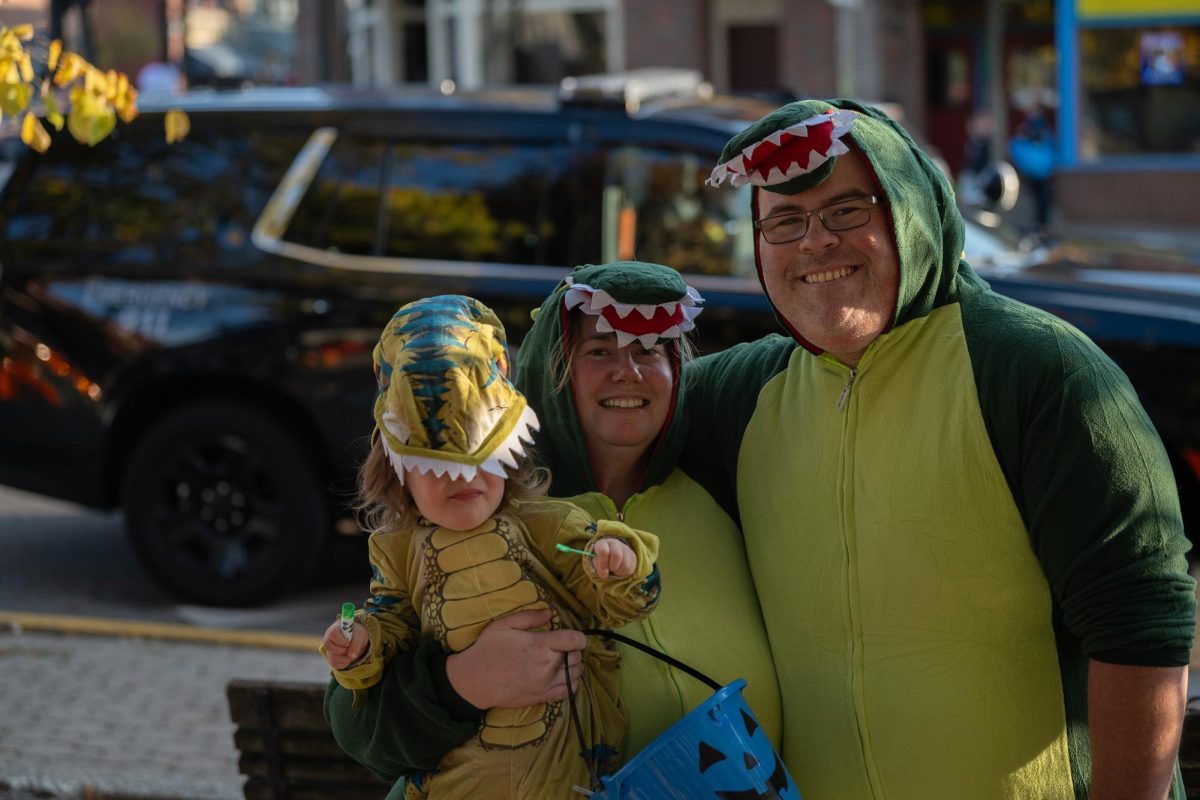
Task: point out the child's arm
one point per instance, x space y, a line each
341 652
612 557
614 599
387 620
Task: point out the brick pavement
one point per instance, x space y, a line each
117 717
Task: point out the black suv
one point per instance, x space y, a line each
186 330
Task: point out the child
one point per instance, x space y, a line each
457 542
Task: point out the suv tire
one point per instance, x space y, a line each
223 506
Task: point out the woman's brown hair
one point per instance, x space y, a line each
561 357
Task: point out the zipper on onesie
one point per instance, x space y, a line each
845 395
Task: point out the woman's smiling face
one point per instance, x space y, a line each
622 394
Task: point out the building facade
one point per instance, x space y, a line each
861 48
1129 132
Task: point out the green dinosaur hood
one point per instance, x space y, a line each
560 444
918 198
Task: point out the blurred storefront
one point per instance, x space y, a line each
863 48
1117 80
225 43
985 74
25 12
233 42
473 42
1129 130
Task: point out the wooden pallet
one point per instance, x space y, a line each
286 750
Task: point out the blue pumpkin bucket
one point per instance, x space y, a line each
717 750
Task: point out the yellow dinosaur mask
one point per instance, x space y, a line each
445 403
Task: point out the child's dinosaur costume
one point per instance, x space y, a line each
446 405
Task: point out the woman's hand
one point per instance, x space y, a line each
341 653
511 666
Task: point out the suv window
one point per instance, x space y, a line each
340 211
134 200
657 208
457 201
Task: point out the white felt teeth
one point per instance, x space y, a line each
776 138
735 168
593 301
506 454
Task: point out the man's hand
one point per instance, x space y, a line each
511 665
613 556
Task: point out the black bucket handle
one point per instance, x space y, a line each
645 648
661 656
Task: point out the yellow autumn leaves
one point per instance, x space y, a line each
95 99
178 125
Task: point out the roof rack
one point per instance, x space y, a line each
634 87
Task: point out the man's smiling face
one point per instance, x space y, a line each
837 289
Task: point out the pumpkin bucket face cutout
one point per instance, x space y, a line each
717 752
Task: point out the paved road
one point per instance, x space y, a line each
101 716
119 716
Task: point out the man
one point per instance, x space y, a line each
963 529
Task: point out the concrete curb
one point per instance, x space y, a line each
9 791
99 626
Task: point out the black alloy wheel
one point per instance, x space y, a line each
223 506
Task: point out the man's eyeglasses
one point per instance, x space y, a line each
841 216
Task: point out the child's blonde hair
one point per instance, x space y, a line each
384 503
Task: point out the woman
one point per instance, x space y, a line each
612 426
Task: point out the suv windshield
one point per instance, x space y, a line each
657 208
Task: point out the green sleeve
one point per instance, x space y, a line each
721 392
408 720
1092 482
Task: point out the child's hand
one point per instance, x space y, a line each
613 557
341 653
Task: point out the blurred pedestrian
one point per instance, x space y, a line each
977 153
160 77
1033 154
979 141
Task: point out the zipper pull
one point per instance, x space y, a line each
620 516
845 395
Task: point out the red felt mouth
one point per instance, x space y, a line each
637 325
791 149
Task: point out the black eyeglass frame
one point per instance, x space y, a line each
873 201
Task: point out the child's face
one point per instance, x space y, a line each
457 504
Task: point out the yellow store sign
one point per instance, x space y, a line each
1136 8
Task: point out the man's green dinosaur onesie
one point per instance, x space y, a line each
942 536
